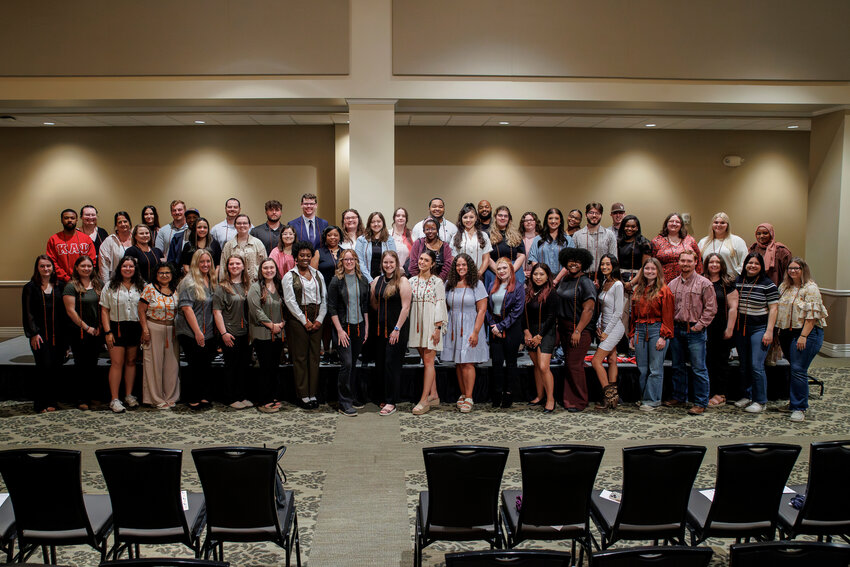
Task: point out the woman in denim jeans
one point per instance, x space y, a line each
801 319
650 328
758 299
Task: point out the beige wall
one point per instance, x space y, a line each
756 39
43 171
164 37
652 172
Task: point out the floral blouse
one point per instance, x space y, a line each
798 304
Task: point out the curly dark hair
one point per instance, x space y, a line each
577 254
471 278
300 245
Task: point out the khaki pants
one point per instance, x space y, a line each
160 364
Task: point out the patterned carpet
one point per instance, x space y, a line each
826 416
314 444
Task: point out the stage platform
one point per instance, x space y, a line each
16 366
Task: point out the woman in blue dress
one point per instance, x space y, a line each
465 344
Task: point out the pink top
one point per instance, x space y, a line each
284 261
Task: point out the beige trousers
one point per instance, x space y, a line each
161 362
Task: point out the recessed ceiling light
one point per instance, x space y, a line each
199 122
650 125
792 127
50 123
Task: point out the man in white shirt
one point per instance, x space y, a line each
595 239
445 229
169 231
225 230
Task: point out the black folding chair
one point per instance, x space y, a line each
557 481
657 481
462 500
749 485
826 510
244 501
789 554
667 556
7 530
509 558
46 491
147 505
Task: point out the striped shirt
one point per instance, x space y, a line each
754 300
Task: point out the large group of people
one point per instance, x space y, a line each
479 289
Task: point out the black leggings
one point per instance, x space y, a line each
268 355
49 359
87 378
237 362
504 353
195 376
717 351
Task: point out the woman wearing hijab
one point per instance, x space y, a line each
776 255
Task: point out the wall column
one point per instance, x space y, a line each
828 224
371 156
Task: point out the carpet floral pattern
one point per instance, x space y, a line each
829 415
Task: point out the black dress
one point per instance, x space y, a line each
389 357
43 314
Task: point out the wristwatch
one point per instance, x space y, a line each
396 329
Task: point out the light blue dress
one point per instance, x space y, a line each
460 303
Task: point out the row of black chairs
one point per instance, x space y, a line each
657 501
770 554
243 500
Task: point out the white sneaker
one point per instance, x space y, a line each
754 407
131 401
797 415
645 407
116 406
743 402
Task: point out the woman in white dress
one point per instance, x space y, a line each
720 240
428 320
609 328
470 240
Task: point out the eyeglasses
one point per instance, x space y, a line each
349 259
790 269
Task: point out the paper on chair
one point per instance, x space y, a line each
709 492
185 498
610 495
3 497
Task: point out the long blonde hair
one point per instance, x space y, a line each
512 235
227 285
339 272
194 280
640 289
727 242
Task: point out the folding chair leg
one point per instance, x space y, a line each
297 541
45 554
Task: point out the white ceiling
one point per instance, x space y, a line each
409 119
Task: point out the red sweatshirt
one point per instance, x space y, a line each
64 251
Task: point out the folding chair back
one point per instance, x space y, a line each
556 483
750 481
463 484
657 482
